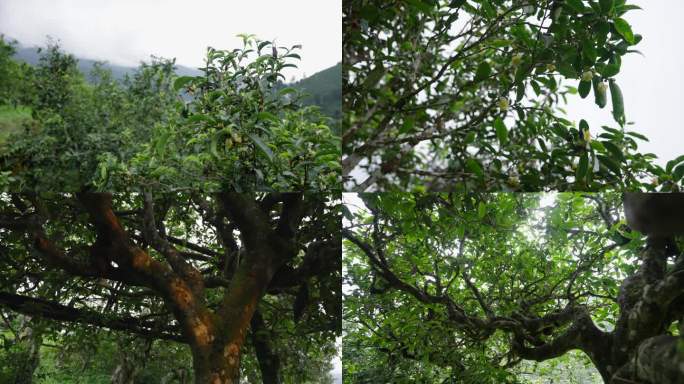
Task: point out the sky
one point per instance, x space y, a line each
125 32
652 84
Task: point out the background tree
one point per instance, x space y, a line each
466 94
471 286
228 274
15 91
235 128
14 77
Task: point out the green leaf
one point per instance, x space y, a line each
598 146
600 96
624 29
678 172
261 145
374 77
576 5
213 146
287 91
610 70
262 45
483 71
590 53
610 164
420 5
474 166
672 163
347 213
584 88
181 82
470 137
582 167
264 115
618 103
501 130
198 117
606 6
614 150
583 126
481 210
637 135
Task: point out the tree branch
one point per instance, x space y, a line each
47 309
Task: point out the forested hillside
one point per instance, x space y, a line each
323 88
32 56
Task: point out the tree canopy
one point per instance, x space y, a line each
234 127
473 288
468 95
227 274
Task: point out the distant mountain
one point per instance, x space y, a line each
31 56
323 88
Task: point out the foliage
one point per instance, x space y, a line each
325 90
14 77
467 95
475 284
300 329
12 121
81 354
236 130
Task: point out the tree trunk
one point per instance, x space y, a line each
222 367
269 363
28 343
124 373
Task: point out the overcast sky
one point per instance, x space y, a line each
128 31
653 85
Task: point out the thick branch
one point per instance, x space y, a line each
47 309
192 276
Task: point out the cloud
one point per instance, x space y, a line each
127 31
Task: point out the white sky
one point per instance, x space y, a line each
127 31
653 84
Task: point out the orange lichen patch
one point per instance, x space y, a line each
141 260
201 333
232 353
181 293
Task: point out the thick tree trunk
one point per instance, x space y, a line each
215 337
219 366
269 363
656 361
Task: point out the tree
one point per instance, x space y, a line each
215 271
234 128
13 76
465 288
466 95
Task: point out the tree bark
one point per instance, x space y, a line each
269 363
